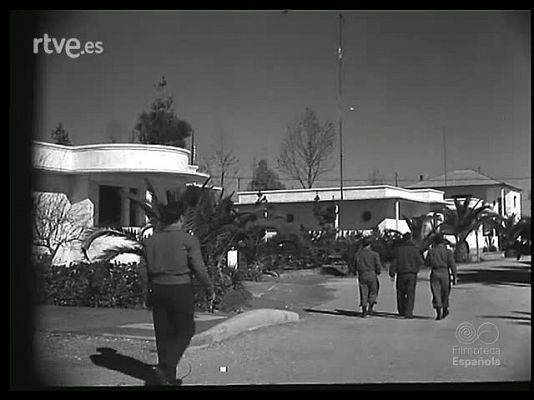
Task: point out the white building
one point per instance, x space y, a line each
363 207
98 179
504 198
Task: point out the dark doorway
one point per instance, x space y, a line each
109 206
133 209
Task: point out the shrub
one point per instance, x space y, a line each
89 285
384 244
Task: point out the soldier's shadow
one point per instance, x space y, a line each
382 314
110 359
352 313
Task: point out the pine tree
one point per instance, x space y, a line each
61 136
265 178
160 125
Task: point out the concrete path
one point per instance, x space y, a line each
127 323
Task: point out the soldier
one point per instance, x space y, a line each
406 265
368 266
441 260
172 255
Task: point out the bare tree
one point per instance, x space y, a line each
56 222
221 165
307 149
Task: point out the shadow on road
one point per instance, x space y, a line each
351 313
523 319
503 275
110 359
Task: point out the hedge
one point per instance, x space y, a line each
89 285
109 285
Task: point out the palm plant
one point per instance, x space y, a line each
158 213
512 231
423 229
212 217
462 220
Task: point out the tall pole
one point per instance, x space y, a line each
193 155
340 108
444 156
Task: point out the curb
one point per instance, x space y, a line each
245 322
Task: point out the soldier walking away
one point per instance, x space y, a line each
368 266
172 256
406 264
443 274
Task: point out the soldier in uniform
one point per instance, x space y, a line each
368 266
172 255
441 260
406 265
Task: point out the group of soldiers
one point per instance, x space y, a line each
406 264
173 256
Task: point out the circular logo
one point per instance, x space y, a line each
488 333
466 333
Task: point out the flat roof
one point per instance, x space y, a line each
374 192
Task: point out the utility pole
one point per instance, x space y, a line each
253 185
396 179
193 155
445 156
340 111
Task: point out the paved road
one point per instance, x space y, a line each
339 347
332 344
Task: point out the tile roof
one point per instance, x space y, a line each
462 177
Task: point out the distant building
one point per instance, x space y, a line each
504 197
363 208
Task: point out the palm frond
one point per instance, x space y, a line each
92 234
152 191
151 212
109 253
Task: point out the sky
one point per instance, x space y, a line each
242 77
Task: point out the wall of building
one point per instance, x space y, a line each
302 212
352 212
411 209
512 203
491 195
112 157
480 192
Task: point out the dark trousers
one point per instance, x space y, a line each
174 323
406 284
368 285
440 286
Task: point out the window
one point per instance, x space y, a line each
515 201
